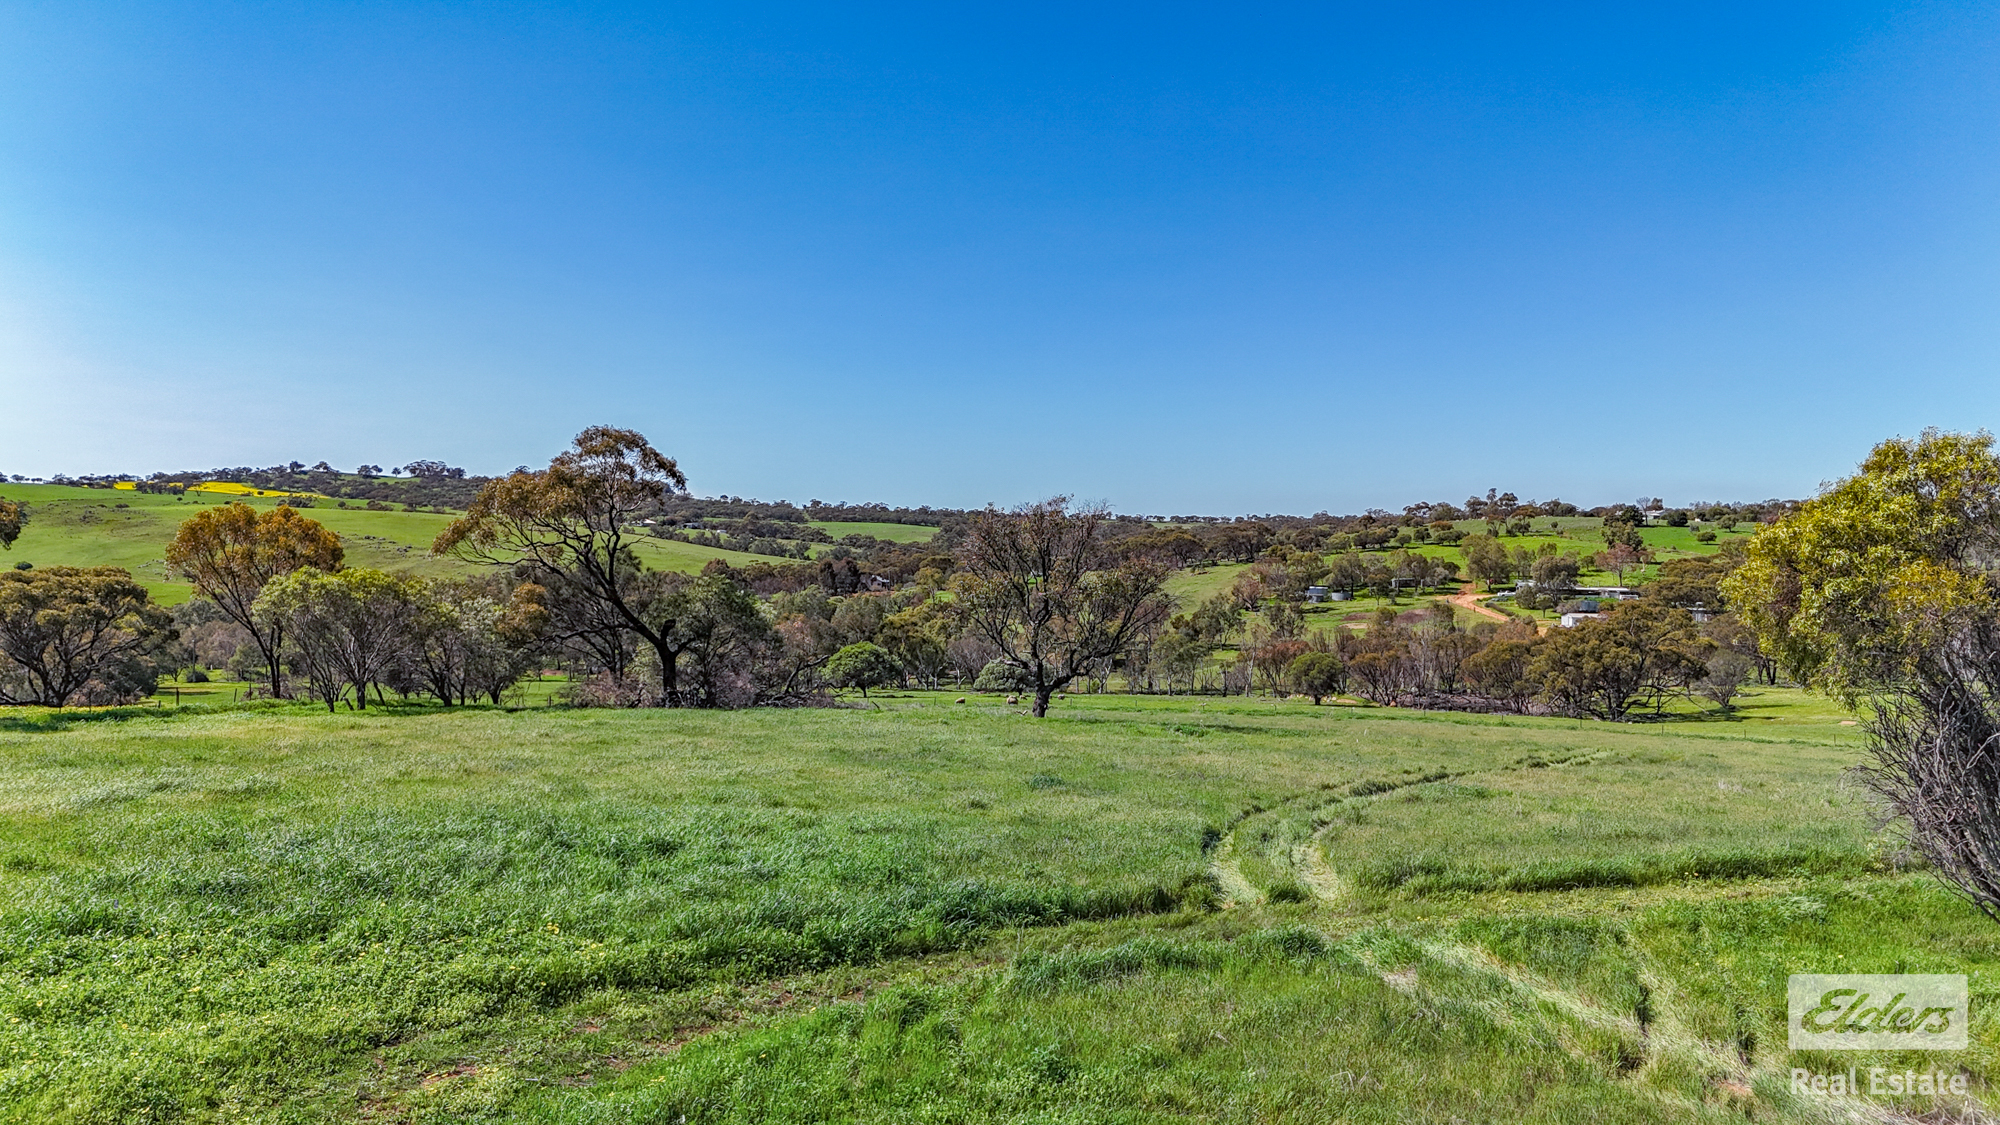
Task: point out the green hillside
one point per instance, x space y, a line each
892 532
71 526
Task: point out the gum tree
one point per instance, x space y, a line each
346 629
570 525
1882 590
1042 585
65 629
232 552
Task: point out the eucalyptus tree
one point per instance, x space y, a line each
232 552
572 526
1884 589
65 629
1045 588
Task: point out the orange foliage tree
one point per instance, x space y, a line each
232 552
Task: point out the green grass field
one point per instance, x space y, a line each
892 532
1138 910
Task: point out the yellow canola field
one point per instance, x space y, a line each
227 488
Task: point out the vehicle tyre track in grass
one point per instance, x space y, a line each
1236 890
1316 874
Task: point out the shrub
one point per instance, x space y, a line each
862 665
998 677
1318 674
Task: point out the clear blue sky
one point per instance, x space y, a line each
1218 259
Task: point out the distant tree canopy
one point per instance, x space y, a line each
11 520
1039 598
231 553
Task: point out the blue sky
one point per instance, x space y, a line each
1181 259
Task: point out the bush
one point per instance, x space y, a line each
1318 674
862 665
997 677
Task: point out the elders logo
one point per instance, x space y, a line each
1881 1011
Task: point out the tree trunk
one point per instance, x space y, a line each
1042 701
670 675
271 662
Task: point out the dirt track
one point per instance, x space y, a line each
1468 598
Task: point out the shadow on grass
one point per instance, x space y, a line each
49 720
40 720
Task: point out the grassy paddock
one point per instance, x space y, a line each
1140 909
892 532
70 526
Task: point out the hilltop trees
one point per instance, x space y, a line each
569 524
72 634
232 552
1883 588
1040 584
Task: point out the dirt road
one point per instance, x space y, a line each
1468 598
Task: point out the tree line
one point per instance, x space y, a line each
564 583
1038 600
